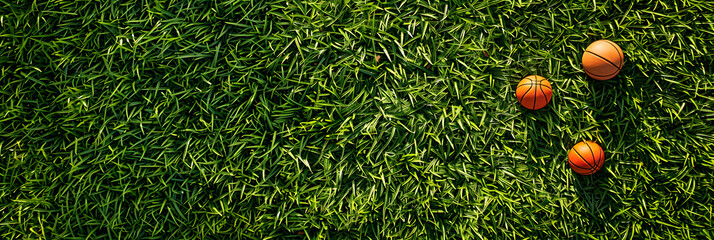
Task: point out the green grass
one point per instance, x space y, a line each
281 119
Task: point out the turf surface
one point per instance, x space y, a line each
351 120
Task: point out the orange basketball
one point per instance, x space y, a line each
534 92
586 157
603 59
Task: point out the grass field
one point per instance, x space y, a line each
204 119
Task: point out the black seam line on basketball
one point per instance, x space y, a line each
525 84
541 90
622 57
595 169
581 167
536 97
541 84
589 167
581 157
529 78
571 162
613 64
590 172
601 158
601 57
612 74
544 95
593 154
533 84
524 94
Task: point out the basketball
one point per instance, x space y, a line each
603 60
534 92
586 158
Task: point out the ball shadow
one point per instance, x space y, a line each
597 202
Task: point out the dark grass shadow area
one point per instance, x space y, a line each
598 206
